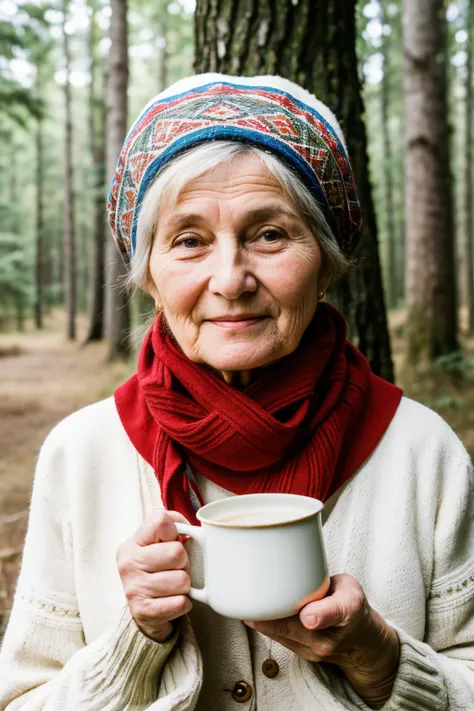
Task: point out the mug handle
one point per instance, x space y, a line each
197 533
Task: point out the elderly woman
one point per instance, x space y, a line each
235 202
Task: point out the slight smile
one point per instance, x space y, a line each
237 323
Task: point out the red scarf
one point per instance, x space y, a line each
303 426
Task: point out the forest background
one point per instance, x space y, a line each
74 74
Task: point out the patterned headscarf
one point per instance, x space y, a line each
268 112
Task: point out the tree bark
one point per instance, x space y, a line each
391 256
469 182
117 303
39 256
311 42
430 260
70 266
97 117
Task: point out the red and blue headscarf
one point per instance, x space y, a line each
269 112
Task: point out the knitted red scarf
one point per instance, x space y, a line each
304 425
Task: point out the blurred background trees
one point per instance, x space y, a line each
431 289
97 133
57 62
469 174
69 248
117 308
399 75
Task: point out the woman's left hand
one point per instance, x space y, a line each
343 629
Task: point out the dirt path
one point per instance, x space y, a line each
41 381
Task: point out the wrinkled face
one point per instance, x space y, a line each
236 268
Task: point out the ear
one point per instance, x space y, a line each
150 286
326 284
324 278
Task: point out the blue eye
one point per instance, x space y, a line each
189 243
271 236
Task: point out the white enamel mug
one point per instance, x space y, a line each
264 555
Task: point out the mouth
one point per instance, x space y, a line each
236 323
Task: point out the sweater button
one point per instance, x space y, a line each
270 668
242 692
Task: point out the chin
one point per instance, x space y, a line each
235 358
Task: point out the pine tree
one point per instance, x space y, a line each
391 259
40 55
97 111
117 304
39 252
70 266
162 20
469 178
430 265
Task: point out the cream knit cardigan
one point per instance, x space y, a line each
403 526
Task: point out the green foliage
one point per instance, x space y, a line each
25 36
34 37
15 100
448 401
456 364
15 267
10 37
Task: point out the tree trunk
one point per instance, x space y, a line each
39 227
97 115
117 303
70 266
469 182
430 261
391 256
311 42
163 59
15 227
39 256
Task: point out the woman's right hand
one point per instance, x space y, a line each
154 569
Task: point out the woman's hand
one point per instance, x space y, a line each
154 567
343 629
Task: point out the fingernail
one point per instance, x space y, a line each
309 620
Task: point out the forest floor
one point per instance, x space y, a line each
43 378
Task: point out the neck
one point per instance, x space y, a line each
238 378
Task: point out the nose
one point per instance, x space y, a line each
231 276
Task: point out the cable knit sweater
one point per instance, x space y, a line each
403 526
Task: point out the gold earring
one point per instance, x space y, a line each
158 307
321 295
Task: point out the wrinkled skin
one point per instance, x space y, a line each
154 569
234 245
343 629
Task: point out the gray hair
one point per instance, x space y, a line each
200 160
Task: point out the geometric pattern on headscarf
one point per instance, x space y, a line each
264 116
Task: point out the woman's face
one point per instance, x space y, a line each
236 269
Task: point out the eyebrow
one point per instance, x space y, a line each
184 220
260 214
266 212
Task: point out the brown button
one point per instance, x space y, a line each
242 692
270 668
